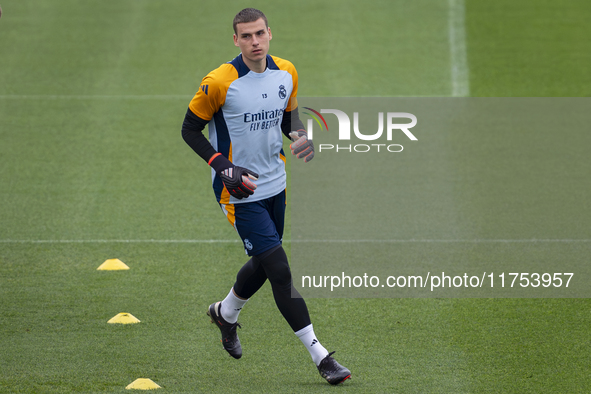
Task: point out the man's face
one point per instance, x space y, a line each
253 39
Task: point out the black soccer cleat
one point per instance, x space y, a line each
333 372
229 337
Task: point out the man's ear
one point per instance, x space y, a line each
270 35
235 40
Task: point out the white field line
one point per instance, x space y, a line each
95 97
222 241
121 241
477 241
460 75
137 97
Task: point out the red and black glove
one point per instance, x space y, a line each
302 147
236 179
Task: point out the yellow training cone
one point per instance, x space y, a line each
124 318
143 384
113 265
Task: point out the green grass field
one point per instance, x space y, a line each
92 97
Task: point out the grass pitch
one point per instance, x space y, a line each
92 95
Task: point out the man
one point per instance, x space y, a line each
249 103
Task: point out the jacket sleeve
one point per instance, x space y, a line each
192 131
291 122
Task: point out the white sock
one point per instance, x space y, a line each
231 306
308 338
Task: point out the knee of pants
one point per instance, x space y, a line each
279 276
276 267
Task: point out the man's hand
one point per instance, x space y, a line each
302 147
236 179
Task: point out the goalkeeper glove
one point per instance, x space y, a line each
235 178
302 147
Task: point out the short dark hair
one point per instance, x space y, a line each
249 15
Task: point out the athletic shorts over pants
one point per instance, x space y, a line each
260 223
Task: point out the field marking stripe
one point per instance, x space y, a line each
95 97
460 74
136 97
100 241
214 241
533 240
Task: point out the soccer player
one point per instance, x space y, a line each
249 103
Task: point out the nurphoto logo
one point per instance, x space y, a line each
393 125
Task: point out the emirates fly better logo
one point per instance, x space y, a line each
344 132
